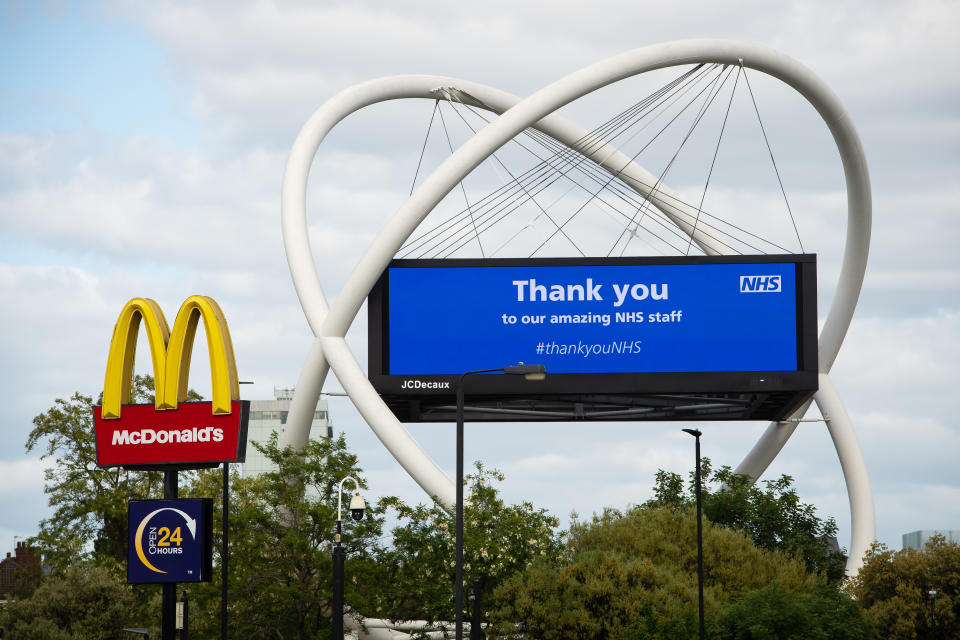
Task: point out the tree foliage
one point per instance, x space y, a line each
825 613
282 526
89 503
633 575
83 603
619 576
770 513
281 533
894 589
500 540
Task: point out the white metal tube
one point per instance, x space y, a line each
578 84
862 517
333 322
305 398
296 240
770 444
391 433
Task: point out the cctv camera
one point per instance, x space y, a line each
357 507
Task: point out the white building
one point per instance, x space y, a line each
916 539
269 416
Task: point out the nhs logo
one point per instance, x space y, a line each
760 284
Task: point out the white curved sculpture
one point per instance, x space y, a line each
330 323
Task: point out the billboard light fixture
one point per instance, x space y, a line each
528 371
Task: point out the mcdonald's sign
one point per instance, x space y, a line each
171 432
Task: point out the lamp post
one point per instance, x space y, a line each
696 434
529 372
357 507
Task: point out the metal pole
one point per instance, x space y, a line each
339 554
933 616
696 434
699 543
168 613
458 580
476 631
185 628
225 556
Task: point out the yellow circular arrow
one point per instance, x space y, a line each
139 543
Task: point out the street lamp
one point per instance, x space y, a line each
529 372
357 507
696 434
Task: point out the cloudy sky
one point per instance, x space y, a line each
142 148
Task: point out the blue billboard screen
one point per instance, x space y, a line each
727 337
593 319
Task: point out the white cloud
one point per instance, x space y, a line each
22 477
23 481
259 59
885 357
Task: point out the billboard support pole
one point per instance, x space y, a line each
696 433
458 612
168 615
529 372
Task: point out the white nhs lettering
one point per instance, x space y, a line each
760 284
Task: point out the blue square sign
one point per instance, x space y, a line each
170 540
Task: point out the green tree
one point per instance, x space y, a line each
894 586
500 540
88 527
633 575
771 513
281 531
282 526
825 613
84 603
89 503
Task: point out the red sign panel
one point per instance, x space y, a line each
189 434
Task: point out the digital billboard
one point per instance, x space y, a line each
170 540
733 330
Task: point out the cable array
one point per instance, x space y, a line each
686 98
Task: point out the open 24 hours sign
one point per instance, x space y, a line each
170 540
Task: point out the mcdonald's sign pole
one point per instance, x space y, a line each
168 613
171 435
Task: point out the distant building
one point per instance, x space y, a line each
270 416
916 539
20 570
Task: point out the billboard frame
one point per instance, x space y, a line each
725 395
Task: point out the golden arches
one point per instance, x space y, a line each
171 352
